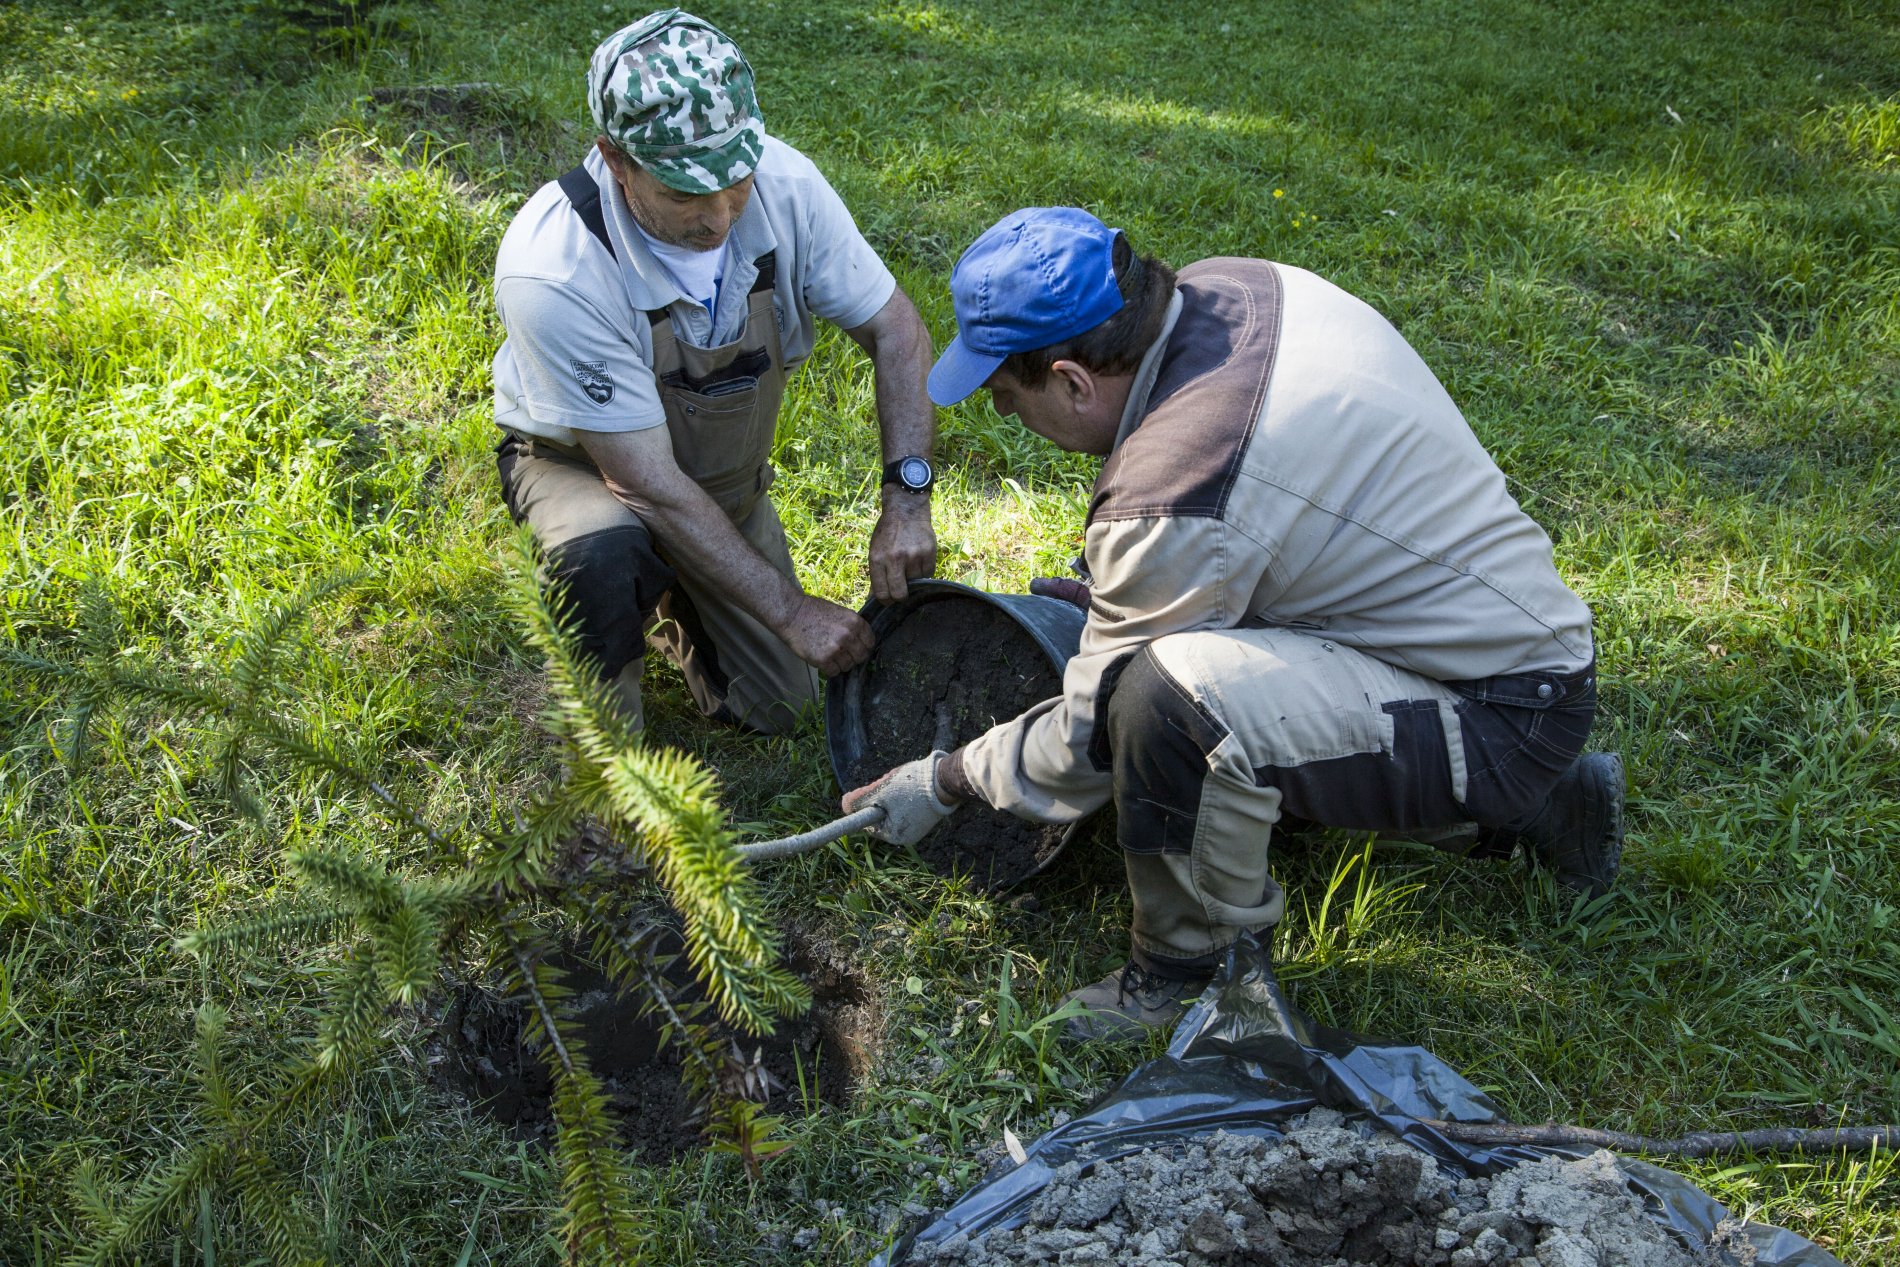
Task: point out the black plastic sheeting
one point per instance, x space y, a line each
1245 1060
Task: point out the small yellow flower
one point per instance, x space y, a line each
1279 193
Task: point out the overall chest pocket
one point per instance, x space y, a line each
742 373
721 438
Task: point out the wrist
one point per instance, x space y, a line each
901 501
783 608
949 782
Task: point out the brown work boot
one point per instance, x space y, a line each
1577 834
1133 1001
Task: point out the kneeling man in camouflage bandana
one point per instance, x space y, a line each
655 299
1311 598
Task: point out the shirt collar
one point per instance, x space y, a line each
751 238
1146 372
752 235
648 284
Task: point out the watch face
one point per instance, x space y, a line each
914 472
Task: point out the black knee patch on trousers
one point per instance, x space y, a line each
1158 740
612 581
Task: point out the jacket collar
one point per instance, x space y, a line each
1146 372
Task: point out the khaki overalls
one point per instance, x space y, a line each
721 410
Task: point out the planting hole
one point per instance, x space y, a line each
812 1061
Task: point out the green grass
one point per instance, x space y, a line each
244 337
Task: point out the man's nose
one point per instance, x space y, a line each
731 202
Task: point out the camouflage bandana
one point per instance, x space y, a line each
676 94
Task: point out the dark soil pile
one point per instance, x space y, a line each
949 672
811 1061
1325 1196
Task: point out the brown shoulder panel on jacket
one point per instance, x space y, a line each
1183 456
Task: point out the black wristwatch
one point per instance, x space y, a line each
913 474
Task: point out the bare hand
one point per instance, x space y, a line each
826 636
903 546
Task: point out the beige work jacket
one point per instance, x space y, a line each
1286 459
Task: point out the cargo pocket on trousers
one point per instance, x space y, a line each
1291 698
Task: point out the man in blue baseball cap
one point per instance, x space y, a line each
1310 597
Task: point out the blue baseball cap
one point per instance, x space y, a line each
1036 277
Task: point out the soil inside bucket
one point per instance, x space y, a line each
1326 1196
811 1061
951 670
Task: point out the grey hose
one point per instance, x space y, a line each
792 846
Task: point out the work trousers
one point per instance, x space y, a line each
623 592
1217 737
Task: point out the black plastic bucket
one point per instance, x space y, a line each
973 644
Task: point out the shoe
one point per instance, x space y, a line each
1577 834
1131 1002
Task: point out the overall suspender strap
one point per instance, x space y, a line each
767 265
584 196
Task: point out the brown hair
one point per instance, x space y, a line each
1117 345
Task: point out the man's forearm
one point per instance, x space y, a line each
706 545
906 420
640 470
898 343
903 545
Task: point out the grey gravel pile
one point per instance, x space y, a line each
1325 1196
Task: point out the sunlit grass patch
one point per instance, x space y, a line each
245 331
1868 131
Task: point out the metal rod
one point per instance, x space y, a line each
1697 1144
805 842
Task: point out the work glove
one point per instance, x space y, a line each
1074 593
909 798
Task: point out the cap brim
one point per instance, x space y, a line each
698 168
959 371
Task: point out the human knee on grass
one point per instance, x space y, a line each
1217 737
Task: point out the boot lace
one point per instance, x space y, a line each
1142 985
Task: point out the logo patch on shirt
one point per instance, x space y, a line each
594 380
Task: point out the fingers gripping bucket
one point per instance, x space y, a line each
951 661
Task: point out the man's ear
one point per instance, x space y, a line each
1078 385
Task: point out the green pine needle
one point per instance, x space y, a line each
599 1222
407 920
275 931
161 1198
